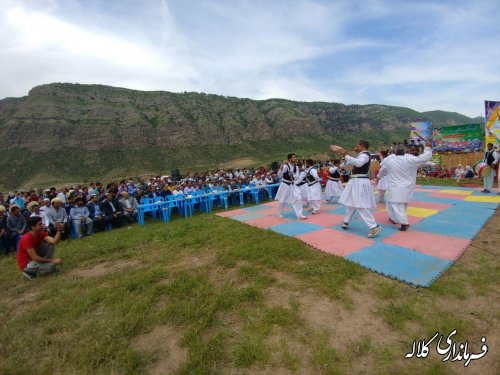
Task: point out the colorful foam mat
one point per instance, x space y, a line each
443 221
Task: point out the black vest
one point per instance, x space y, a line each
335 175
488 157
287 175
310 178
365 167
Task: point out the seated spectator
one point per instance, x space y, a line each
80 216
113 211
95 213
459 172
469 173
138 195
57 215
4 237
36 249
16 225
164 192
44 210
129 205
34 209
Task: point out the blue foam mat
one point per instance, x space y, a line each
248 216
451 229
401 264
295 228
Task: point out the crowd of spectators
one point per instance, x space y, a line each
97 207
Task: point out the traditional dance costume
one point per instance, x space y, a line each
313 189
358 195
401 173
288 192
301 182
490 158
334 187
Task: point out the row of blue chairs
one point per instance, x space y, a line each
204 201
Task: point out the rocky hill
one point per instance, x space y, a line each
70 132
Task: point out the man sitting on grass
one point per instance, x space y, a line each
36 248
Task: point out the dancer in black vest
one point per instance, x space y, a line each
288 192
358 195
334 187
491 158
313 187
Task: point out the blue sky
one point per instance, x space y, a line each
424 55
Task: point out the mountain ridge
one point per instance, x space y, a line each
89 131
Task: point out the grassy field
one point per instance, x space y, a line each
210 295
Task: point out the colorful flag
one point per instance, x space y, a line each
420 132
492 125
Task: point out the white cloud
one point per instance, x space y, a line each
301 50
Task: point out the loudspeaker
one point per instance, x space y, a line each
176 176
275 165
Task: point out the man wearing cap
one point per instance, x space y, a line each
36 249
57 215
44 210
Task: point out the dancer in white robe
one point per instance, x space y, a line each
301 182
334 187
288 192
382 181
313 187
358 195
491 158
401 171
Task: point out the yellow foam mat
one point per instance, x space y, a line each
489 199
420 212
458 192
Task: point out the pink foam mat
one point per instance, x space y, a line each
268 211
436 245
325 219
232 213
335 242
267 222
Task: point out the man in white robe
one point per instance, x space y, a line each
334 187
491 158
288 192
313 187
358 195
401 171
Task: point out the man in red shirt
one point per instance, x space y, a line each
36 248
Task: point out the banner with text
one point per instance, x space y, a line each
459 138
420 132
492 125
